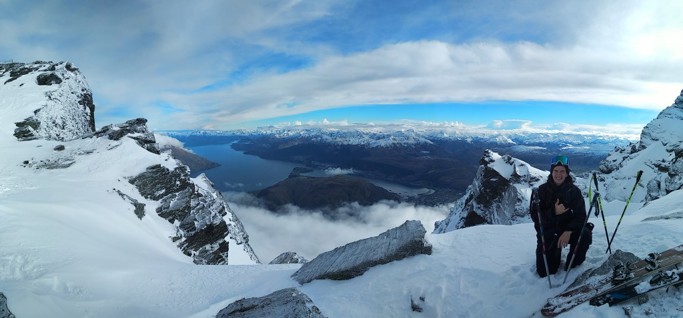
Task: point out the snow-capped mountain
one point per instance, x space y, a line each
50 107
658 153
499 194
389 135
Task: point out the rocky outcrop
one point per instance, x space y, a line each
196 212
290 303
68 110
356 258
135 129
659 153
289 258
323 193
499 194
4 311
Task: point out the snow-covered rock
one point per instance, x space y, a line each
354 259
499 194
289 258
288 302
58 102
658 153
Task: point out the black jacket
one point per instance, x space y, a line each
569 195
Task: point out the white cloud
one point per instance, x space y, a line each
136 54
309 233
430 71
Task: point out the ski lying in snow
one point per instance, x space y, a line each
659 280
622 276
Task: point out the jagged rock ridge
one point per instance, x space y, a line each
197 212
499 194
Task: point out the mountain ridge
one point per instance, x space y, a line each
59 140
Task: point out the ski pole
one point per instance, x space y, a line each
609 244
594 203
602 211
537 202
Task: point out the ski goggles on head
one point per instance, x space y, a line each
563 160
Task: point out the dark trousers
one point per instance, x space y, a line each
554 253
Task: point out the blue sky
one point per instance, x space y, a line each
239 64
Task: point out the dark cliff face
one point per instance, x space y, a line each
201 228
323 192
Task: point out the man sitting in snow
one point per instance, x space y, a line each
563 212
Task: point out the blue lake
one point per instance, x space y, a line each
239 172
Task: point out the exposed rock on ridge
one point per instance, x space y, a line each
356 258
499 194
68 110
135 129
289 302
196 212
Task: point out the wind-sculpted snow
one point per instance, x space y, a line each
659 153
289 302
356 258
499 194
61 109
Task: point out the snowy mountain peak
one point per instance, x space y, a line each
47 134
57 103
658 153
499 194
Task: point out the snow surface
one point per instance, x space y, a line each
70 246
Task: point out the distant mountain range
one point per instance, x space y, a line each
443 159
